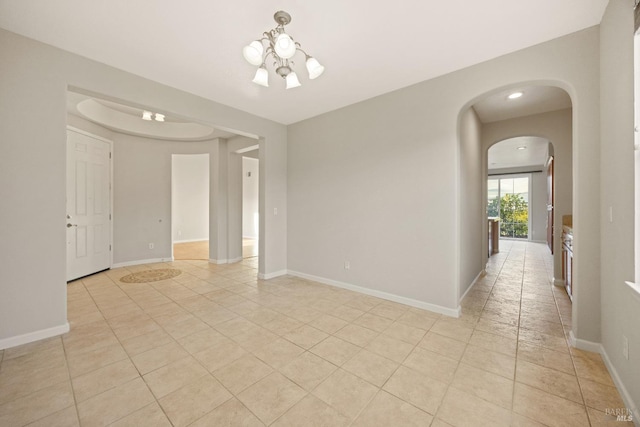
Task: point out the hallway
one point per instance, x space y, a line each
215 346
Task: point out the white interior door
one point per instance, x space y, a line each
88 205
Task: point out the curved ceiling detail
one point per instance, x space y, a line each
134 125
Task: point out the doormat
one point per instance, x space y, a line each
151 275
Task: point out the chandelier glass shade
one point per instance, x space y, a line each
281 47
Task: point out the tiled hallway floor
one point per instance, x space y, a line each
215 347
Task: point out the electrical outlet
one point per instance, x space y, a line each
625 347
347 265
150 245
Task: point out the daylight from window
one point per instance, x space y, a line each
508 200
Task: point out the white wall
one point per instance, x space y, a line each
377 182
620 308
472 212
250 195
556 126
35 77
190 197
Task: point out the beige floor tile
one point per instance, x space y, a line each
490 361
346 313
306 336
68 417
485 385
493 342
592 367
460 408
389 310
115 403
335 350
417 389
310 412
242 373
199 341
47 346
439 423
544 357
548 409
406 333
173 376
356 335
308 370
371 367
158 357
255 339
103 379
432 364
452 330
186 327
84 362
231 413
271 397
282 325
445 346
328 324
194 400
421 319
150 415
390 348
141 343
346 393
235 326
518 420
497 328
549 380
387 410
222 353
600 396
37 405
278 353
543 340
373 322
28 373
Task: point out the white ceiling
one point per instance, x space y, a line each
506 154
368 47
534 100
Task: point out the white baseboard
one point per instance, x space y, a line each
218 261
624 393
190 240
141 261
273 275
473 283
34 336
558 282
380 294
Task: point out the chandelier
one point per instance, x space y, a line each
282 48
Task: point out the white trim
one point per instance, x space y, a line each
34 336
190 241
218 261
273 275
635 288
380 294
558 282
624 393
141 261
231 261
481 274
584 344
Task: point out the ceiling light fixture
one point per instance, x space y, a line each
146 115
515 95
282 47
522 148
159 117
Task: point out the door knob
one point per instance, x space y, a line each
69 225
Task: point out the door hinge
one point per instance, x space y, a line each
109 217
109 247
109 154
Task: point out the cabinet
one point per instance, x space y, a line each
567 261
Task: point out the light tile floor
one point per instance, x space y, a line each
216 347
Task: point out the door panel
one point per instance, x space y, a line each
550 224
88 205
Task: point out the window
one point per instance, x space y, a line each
508 199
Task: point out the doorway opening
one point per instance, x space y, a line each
190 206
250 204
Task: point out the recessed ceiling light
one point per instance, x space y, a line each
515 95
146 115
159 117
522 148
